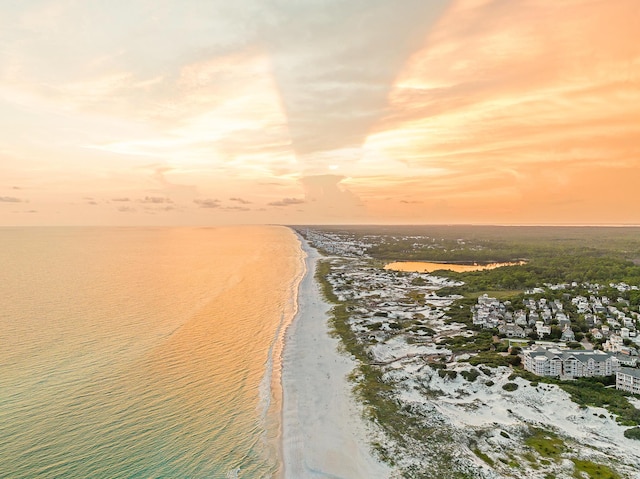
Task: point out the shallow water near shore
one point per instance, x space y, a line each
143 352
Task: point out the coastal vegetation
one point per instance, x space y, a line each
402 425
633 433
370 317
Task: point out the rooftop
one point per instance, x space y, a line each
631 371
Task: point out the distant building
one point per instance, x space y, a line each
614 344
568 334
542 330
569 363
628 379
511 330
627 360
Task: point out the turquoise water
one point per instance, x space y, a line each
142 353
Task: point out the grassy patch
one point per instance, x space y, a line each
546 444
491 359
510 387
483 456
483 341
531 458
592 470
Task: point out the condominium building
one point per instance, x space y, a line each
628 379
569 363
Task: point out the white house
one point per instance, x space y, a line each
568 334
613 344
542 330
511 330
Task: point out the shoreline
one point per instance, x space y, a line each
323 433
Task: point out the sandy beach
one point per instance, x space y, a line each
323 432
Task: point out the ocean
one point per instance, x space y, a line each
143 352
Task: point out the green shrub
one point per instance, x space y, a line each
470 375
510 387
513 360
633 433
435 365
490 359
447 373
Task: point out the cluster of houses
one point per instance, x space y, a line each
603 317
604 320
346 245
537 316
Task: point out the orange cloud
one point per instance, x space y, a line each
525 102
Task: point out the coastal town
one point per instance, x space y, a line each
491 373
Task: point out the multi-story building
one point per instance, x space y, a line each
628 379
569 363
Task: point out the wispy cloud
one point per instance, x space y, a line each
240 200
156 200
207 203
287 202
459 110
10 199
236 208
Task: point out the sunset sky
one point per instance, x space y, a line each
167 112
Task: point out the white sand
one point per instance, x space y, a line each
323 432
